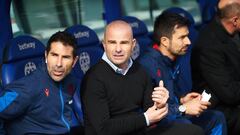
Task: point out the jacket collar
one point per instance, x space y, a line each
115 68
43 70
166 60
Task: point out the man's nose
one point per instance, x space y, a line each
187 41
59 61
118 48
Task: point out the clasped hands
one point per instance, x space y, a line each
159 110
193 103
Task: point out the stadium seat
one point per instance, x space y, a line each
89 48
90 51
1 88
21 57
185 82
140 33
208 9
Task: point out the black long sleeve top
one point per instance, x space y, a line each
113 104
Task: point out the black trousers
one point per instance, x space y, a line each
79 130
232 115
170 129
176 129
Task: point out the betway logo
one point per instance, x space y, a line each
81 34
26 46
134 24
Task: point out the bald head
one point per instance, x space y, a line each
229 8
229 15
117 27
118 43
223 3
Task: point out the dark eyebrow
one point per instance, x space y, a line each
124 42
186 35
53 53
111 41
66 56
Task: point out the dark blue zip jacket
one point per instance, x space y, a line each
162 68
36 104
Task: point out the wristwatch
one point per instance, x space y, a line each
182 109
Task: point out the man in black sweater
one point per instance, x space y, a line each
117 93
216 62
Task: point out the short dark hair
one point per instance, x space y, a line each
165 23
65 38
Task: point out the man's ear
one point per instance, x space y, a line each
103 43
234 20
134 41
164 41
75 61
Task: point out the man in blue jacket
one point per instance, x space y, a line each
41 102
171 33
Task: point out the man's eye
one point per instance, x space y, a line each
54 54
111 43
66 57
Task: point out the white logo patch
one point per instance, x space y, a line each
134 24
84 61
26 46
136 51
81 34
29 67
70 102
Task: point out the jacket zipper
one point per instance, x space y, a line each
62 103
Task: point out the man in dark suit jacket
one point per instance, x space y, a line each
216 62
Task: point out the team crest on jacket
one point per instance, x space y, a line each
158 72
70 89
46 91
